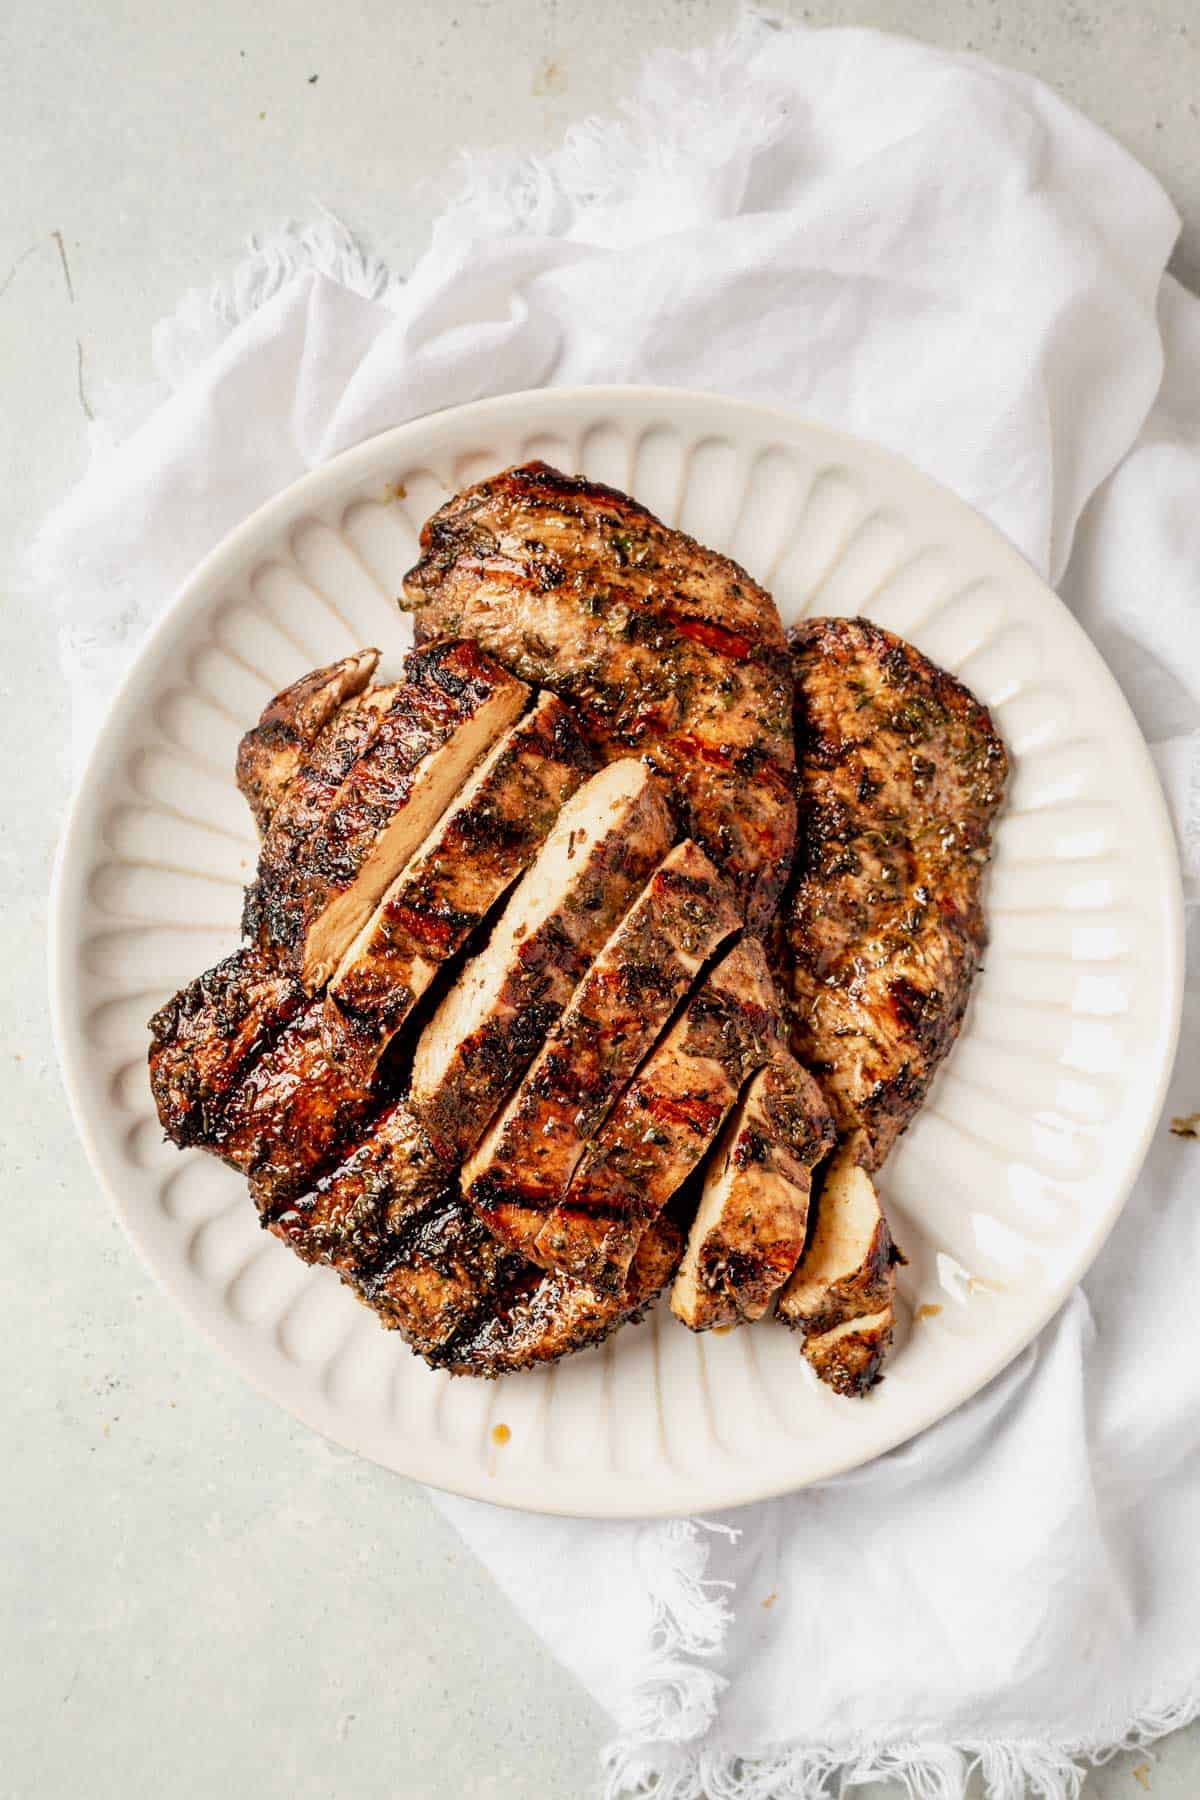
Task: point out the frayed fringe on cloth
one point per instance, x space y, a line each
204 318
696 118
674 1703
693 114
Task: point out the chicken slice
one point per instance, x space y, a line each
469 1306
666 650
454 701
391 1175
269 916
666 1119
291 1116
549 1316
472 854
270 753
204 1039
849 1358
900 775
752 1218
845 1280
436 1276
608 839
524 1165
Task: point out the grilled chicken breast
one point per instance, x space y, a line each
752 1218
392 1174
453 703
900 775
473 853
608 839
237 1067
203 1041
544 1316
467 1305
270 754
840 1295
270 915
291 1116
667 650
524 1165
666 1119
436 1276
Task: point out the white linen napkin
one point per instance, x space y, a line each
943 256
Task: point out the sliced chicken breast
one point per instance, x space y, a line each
292 1116
900 774
270 914
850 1357
436 1276
203 1041
467 1305
752 1218
525 1163
390 1176
847 1274
453 703
501 817
549 1316
666 650
270 753
608 839
666 1119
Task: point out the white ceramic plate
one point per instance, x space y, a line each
1001 1193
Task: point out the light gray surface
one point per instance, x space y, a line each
196 1595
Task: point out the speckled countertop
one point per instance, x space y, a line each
197 1596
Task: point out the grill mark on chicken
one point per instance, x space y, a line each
667 650
607 841
453 702
270 753
667 1118
346 1219
435 1276
496 825
465 1304
752 1218
524 1165
549 1316
291 1116
270 916
900 775
204 1040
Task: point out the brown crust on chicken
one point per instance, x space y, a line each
270 915
666 1120
666 649
841 1294
476 850
606 843
203 1041
849 1359
868 1289
390 1176
270 753
465 1304
523 1167
549 1316
452 704
292 1115
900 774
752 1217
